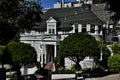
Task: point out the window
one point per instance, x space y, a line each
92 29
76 28
84 28
51 29
40 46
99 28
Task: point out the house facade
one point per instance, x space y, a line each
57 24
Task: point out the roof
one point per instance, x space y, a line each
100 11
68 16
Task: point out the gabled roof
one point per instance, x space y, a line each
73 15
51 19
68 16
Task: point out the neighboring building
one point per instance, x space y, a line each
77 3
57 24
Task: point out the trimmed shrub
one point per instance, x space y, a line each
114 63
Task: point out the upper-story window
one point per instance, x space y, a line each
51 29
76 28
83 27
92 29
51 25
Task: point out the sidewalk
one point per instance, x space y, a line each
62 76
72 76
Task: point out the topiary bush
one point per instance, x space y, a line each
114 63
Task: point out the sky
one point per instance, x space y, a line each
49 3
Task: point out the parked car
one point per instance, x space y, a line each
32 77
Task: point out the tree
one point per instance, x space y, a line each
17 16
20 54
114 63
116 48
77 46
114 7
30 15
6 33
1 51
8 13
105 53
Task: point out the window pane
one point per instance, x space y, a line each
53 31
92 29
49 30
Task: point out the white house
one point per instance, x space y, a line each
57 24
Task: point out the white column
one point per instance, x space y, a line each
38 56
79 28
55 50
96 29
42 52
73 28
88 28
45 53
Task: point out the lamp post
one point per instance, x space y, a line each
103 40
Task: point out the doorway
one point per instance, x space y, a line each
50 53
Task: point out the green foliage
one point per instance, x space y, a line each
105 54
11 75
113 6
116 48
73 67
17 16
57 65
6 36
114 63
21 53
77 46
30 15
2 50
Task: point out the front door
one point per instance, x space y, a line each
50 53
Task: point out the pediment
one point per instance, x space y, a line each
51 19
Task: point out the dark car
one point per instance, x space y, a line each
32 77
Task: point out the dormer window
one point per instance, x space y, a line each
51 26
51 29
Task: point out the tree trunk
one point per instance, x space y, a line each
78 67
17 69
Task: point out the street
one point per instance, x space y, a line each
72 76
